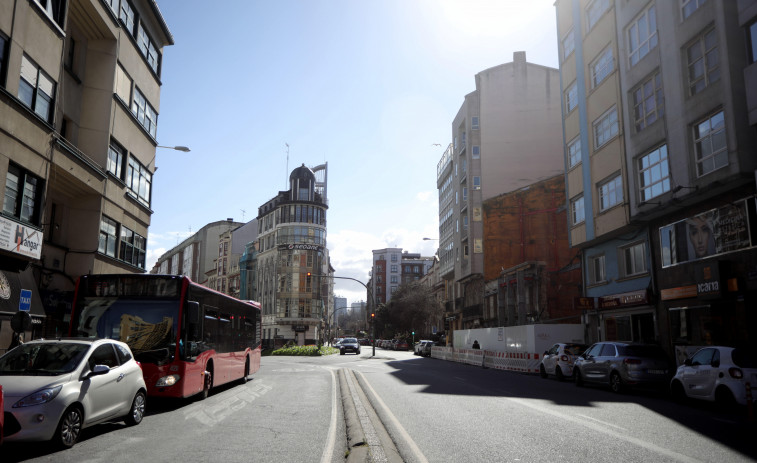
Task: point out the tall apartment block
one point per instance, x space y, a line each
506 136
660 116
393 267
80 96
292 261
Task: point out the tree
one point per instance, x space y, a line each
413 307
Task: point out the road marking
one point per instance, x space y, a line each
603 422
419 457
213 410
328 451
596 427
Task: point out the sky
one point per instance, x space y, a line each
369 86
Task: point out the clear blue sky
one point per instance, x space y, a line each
368 86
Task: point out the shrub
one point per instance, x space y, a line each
305 351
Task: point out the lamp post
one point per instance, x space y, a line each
177 148
366 289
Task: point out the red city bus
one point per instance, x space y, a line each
187 337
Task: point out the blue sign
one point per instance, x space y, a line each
25 303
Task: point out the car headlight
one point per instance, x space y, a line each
169 380
40 397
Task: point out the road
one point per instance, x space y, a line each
433 411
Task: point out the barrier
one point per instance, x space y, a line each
498 360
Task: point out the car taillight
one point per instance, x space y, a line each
564 358
632 361
735 373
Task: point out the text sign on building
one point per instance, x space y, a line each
20 239
25 301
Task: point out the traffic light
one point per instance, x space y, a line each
413 333
373 315
308 273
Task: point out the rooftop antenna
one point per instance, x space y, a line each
243 211
286 174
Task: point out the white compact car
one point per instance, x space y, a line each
716 373
55 388
559 359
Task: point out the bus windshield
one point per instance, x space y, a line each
148 326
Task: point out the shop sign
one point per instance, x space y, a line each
20 239
584 303
300 328
624 299
303 247
681 292
708 280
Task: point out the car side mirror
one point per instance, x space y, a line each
98 370
687 362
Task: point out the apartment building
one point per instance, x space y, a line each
506 136
292 261
80 95
681 270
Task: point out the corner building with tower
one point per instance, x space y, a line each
292 259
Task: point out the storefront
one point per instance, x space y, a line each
627 317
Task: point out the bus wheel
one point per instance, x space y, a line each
207 383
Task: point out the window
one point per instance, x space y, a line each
465 222
595 11
144 113
633 259
568 44
465 193
108 236
476 150
116 156
654 176
36 89
690 6
648 102
703 62
571 97
602 67
139 181
23 194
476 183
55 9
394 269
611 193
605 127
751 42
642 35
574 152
127 16
474 122
133 248
596 269
148 48
577 210
3 58
710 144
394 279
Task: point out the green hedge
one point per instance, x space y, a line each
305 351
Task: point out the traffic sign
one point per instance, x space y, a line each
25 302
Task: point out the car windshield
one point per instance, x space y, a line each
574 349
350 341
43 359
641 351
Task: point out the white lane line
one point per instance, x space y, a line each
603 422
419 457
328 450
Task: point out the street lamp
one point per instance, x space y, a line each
177 148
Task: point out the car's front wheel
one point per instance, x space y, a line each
677 392
542 371
616 383
69 427
137 411
577 376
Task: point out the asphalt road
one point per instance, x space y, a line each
433 410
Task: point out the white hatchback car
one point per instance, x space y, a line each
716 374
55 388
559 359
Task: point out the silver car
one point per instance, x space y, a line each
55 388
620 364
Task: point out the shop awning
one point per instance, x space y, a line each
11 284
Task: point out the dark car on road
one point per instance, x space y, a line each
620 364
349 345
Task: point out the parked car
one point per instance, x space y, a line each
418 346
426 349
401 345
55 388
716 373
559 359
619 364
349 345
